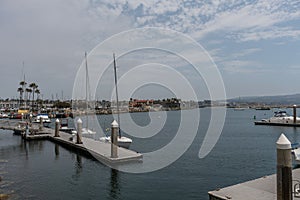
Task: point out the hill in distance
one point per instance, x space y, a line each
279 99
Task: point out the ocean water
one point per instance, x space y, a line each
44 170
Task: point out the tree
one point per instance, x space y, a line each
37 92
23 85
33 86
28 92
20 90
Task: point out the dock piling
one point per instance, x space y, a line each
56 134
295 113
41 124
79 131
284 168
114 139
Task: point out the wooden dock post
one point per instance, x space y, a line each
79 131
114 139
284 168
56 134
295 113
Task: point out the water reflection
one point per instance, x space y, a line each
24 148
56 150
114 192
78 167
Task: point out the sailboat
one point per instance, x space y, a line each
123 141
86 132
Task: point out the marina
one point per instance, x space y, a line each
245 152
99 149
150 100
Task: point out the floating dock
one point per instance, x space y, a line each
276 124
284 185
98 149
259 189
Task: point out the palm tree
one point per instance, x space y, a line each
37 91
20 90
34 86
28 92
23 85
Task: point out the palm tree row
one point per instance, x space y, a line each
31 90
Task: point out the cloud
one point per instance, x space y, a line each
254 21
241 66
200 19
246 52
51 36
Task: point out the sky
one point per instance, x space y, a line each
253 44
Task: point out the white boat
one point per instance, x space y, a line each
239 109
44 117
65 127
3 115
296 156
88 133
281 117
122 140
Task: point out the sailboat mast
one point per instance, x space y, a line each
24 88
86 90
116 85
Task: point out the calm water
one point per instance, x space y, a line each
43 170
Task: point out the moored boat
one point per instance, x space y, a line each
44 117
280 118
124 142
64 126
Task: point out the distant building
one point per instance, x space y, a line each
9 104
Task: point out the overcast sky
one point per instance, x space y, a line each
254 44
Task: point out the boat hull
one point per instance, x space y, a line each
276 123
122 142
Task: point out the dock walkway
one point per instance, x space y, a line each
259 189
98 149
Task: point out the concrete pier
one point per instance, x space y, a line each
281 186
98 149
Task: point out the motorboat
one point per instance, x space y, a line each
64 126
281 117
44 117
86 132
263 108
296 155
123 141
4 115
